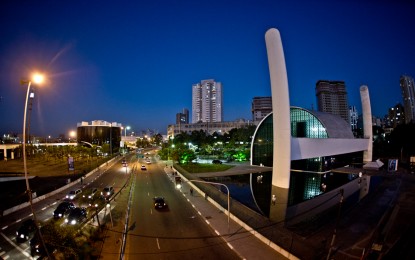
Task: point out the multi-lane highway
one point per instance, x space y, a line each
176 232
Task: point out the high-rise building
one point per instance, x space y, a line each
183 117
332 98
207 101
261 107
408 95
354 117
396 116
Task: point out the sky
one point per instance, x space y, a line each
134 62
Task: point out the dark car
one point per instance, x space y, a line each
107 192
77 216
159 203
27 228
217 162
63 209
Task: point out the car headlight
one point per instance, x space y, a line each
67 196
60 214
66 220
73 222
89 196
21 236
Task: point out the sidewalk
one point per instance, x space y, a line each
237 237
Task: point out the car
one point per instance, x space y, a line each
107 192
73 193
63 209
24 232
91 193
159 203
76 216
217 162
143 168
148 161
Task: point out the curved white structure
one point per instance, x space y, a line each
367 123
281 122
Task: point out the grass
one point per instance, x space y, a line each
48 175
202 167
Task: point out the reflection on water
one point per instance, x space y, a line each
256 198
254 190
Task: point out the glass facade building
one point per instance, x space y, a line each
308 177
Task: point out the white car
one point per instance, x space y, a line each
143 168
148 161
73 193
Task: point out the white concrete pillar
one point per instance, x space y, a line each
281 125
367 123
5 154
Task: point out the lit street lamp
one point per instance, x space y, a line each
125 130
37 79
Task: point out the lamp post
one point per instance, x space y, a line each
125 130
37 78
227 189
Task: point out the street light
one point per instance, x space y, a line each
125 130
227 189
72 134
37 79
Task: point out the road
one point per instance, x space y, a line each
114 175
175 233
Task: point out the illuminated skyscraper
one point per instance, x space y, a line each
408 95
332 98
207 101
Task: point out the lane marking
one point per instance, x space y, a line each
16 246
3 228
217 233
44 208
158 245
230 245
17 221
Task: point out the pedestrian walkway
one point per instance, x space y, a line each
242 241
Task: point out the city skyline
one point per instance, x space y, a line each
135 63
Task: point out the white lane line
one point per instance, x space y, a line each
2 253
54 203
16 246
217 233
3 228
230 245
158 245
17 221
44 208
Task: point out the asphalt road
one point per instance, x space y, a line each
10 249
177 232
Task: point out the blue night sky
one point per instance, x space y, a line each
134 63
